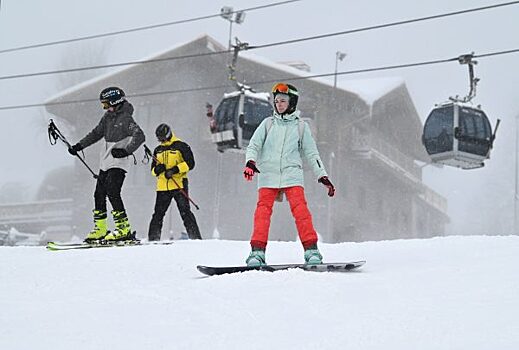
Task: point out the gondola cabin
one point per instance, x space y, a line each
459 135
237 117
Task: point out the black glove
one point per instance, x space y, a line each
325 181
119 153
75 149
170 172
250 170
159 169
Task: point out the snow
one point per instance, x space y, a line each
78 87
265 96
439 293
369 90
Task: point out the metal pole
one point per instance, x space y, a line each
336 67
230 34
216 212
331 158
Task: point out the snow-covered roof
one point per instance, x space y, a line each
369 90
101 77
259 95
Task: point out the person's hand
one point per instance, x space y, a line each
325 181
73 150
119 153
250 170
170 172
159 169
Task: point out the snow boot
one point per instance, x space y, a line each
313 256
100 229
256 257
123 231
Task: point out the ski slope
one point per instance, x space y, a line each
440 293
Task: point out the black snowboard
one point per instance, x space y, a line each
328 267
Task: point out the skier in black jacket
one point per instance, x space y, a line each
122 137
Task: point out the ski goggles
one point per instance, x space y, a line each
283 89
106 104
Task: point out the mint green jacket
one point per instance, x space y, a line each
278 155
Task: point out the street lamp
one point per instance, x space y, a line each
339 56
226 13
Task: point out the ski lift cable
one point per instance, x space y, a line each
217 87
386 25
250 47
131 30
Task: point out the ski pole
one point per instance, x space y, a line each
150 154
55 134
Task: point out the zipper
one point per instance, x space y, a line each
281 156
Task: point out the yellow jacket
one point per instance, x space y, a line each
174 154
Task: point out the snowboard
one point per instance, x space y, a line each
55 246
327 267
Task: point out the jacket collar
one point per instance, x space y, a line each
287 117
170 141
125 107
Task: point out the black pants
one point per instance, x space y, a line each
109 184
161 207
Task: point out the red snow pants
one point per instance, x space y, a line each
299 208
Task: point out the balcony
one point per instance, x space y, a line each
372 146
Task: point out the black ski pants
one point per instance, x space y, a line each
162 203
109 184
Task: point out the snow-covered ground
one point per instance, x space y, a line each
441 293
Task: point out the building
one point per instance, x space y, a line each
368 133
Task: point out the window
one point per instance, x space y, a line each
474 131
254 110
438 130
225 113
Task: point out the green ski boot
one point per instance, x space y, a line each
256 257
313 256
100 229
123 231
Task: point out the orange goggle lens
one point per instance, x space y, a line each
280 87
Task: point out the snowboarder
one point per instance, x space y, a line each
122 137
275 152
172 160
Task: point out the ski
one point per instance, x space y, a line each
327 267
55 246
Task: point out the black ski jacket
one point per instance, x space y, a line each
119 130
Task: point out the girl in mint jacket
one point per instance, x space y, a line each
276 151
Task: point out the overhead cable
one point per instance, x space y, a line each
250 47
292 78
386 25
131 30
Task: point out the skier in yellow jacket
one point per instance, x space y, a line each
173 159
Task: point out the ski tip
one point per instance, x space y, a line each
206 270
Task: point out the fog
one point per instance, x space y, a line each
480 201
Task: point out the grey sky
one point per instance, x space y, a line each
26 155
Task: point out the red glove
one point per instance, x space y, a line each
325 181
250 169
